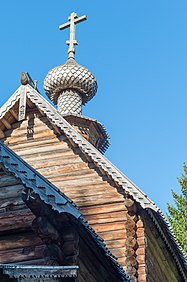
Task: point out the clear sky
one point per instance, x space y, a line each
138 52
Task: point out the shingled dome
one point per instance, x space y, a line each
70 76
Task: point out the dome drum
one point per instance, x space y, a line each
69 102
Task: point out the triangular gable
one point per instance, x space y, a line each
52 197
104 165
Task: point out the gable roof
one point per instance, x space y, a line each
82 143
105 166
53 197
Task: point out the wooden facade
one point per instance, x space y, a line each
126 227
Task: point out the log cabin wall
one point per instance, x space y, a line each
160 264
36 141
18 243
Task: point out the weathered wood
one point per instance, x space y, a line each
130 252
75 176
109 226
99 209
21 254
108 217
114 235
90 202
160 265
11 191
11 202
118 252
14 114
131 241
8 180
2 135
21 240
111 244
131 261
16 220
33 142
6 123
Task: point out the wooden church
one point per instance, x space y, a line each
66 212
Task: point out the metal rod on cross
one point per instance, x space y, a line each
73 20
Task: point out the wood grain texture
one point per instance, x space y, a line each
68 169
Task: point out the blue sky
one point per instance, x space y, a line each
138 52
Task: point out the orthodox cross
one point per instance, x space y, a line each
73 20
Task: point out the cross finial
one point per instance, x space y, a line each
73 20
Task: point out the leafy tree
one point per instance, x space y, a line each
178 213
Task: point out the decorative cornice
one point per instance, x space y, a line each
39 272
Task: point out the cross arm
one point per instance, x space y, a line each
63 26
76 21
80 19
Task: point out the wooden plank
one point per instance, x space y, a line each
21 240
8 180
97 189
48 155
16 220
118 252
14 114
56 171
100 209
11 201
2 135
78 181
111 244
114 226
11 191
24 136
90 203
6 123
109 217
114 235
21 254
53 148
44 162
34 142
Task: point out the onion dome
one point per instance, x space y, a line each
70 85
68 79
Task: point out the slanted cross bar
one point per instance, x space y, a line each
73 20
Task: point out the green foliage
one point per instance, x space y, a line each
178 213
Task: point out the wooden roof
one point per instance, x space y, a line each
104 165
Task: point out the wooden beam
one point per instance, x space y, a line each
2 135
16 220
20 240
21 254
6 123
29 103
14 114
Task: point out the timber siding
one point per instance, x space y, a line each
18 243
66 167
